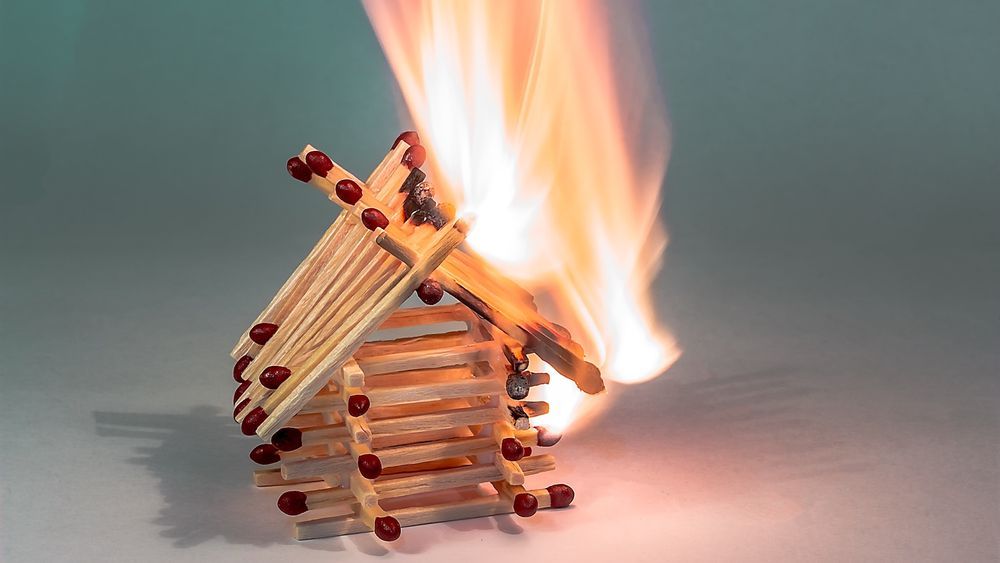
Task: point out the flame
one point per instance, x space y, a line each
544 122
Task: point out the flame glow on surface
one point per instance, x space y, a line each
543 121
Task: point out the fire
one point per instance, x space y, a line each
545 124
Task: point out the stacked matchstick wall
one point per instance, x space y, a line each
398 416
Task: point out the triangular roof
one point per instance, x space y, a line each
365 266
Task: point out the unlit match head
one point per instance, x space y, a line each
240 366
409 137
287 439
241 389
265 454
298 169
369 465
525 505
319 163
374 219
239 408
252 421
348 191
414 156
511 449
261 333
561 495
292 503
387 528
430 292
273 376
358 405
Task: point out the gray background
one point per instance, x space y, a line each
833 279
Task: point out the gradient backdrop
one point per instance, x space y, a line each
833 279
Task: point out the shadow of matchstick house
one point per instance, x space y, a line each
201 466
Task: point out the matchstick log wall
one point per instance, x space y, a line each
398 416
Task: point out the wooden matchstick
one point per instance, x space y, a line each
277 310
390 487
282 405
458 510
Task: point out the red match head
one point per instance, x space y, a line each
240 366
430 292
414 157
261 333
292 503
511 449
358 405
239 408
546 437
252 420
298 169
374 219
348 191
241 389
561 495
319 163
265 454
387 528
369 465
525 505
409 137
274 376
287 439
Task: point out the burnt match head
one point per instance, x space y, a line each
369 465
430 292
358 405
511 449
265 454
413 179
298 169
273 376
240 390
348 191
240 366
419 206
414 156
292 503
409 137
261 333
561 495
287 439
319 163
517 386
252 421
525 505
387 528
374 219
521 420
518 360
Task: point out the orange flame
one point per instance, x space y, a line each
545 123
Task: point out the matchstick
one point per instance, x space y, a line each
458 510
277 310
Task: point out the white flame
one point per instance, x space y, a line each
544 121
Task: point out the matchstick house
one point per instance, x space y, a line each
398 416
